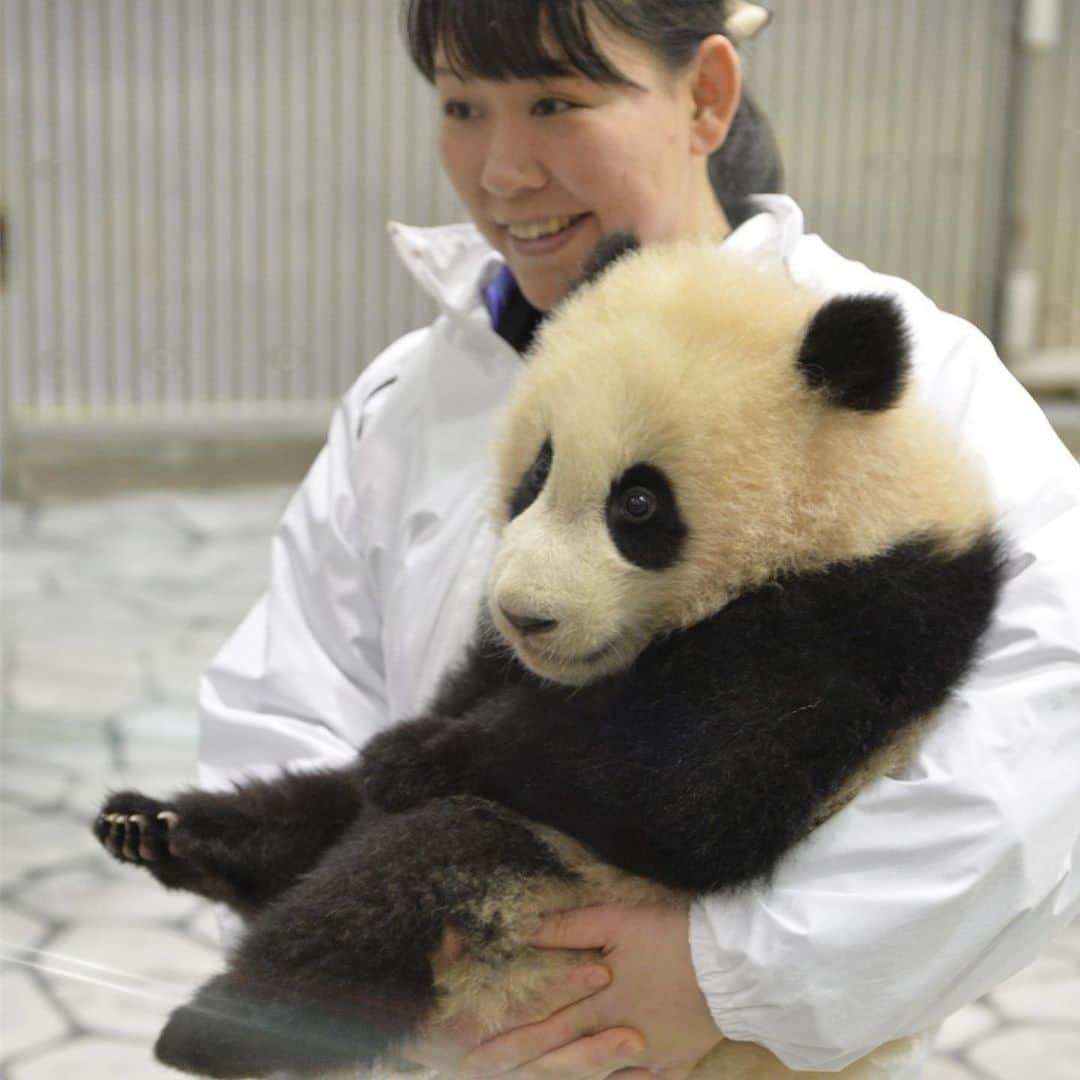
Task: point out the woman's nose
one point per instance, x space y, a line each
510 165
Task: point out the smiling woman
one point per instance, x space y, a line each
565 122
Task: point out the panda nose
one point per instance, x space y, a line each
528 624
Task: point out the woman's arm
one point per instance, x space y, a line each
931 889
301 680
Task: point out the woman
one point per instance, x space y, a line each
563 120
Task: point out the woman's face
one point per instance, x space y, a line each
547 167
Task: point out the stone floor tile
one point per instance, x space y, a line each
203 926
101 895
13 520
174 670
1029 1053
124 979
43 842
1043 969
173 762
221 605
216 515
111 1005
74 749
19 930
90 523
28 782
87 646
93 1059
157 772
11 811
83 616
170 725
76 692
33 571
964 1027
28 1018
155 952
1067 944
940 1068
1055 1000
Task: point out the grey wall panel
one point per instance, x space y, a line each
198 194
889 115
1058 244
198 190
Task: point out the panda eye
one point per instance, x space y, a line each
532 483
637 505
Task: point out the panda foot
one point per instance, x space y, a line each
137 829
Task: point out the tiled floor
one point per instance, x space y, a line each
110 610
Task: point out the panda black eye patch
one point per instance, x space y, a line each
643 518
532 483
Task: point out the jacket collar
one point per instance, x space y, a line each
454 263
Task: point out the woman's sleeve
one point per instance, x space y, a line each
929 890
301 680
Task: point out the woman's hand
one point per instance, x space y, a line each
650 1017
444 1046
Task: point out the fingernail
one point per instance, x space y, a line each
597 978
631 1047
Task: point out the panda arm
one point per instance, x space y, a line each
707 760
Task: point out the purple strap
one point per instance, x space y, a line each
497 294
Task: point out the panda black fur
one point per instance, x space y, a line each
739 568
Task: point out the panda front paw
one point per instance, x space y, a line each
402 768
136 829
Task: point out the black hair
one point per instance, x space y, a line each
531 39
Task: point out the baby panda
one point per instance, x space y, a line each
739 569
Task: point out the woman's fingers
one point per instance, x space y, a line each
533 1044
588 1058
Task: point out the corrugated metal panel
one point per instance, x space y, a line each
890 118
197 191
1057 246
198 194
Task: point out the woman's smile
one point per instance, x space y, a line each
538 238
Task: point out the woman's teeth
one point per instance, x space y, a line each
541 228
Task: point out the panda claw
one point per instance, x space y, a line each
135 829
131 838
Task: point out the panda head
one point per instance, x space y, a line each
689 428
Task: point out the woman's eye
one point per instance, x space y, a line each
638 505
551 106
459 110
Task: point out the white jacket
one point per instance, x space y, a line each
917 898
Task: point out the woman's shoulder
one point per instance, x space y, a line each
957 371
385 381
936 337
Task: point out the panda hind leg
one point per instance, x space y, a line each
339 972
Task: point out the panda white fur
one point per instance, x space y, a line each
739 568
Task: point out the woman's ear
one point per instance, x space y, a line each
716 81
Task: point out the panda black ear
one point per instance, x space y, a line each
856 350
610 249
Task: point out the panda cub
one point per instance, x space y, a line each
739 568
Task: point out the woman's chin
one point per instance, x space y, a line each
546 275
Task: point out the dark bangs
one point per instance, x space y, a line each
507 39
